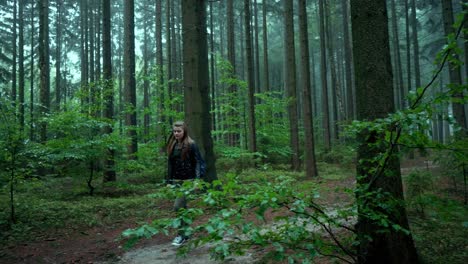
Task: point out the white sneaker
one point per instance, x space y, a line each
179 240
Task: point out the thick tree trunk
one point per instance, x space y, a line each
309 146
257 50
374 94
196 80
290 82
129 77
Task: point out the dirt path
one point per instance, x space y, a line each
167 254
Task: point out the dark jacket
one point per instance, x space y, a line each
192 167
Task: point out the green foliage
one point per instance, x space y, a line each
419 185
440 237
270 210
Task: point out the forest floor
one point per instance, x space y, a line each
73 242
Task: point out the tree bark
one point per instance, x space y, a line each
21 76
347 62
398 66
266 74
31 77
44 65
454 71
58 52
290 82
108 91
310 162
196 80
414 30
14 38
323 75
129 77
374 94
252 142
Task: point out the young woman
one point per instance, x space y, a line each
184 163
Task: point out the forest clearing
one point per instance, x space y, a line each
253 131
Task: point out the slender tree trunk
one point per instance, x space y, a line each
323 74
398 66
233 138
374 94
196 80
108 91
169 53
14 84
21 75
332 62
250 79
266 74
454 71
257 51
414 30
290 81
309 147
129 77
58 51
146 94
31 77
160 70
83 54
408 55
212 68
347 62
44 65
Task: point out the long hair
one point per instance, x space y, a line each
186 139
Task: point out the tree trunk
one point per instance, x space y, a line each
146 94
108 91
408 56
31 78
169 54
374 95
290 81
332 62
233 138
212 68
58 51
160 70
21 76
347 62
323 75
310 163
398 66
414 30
129 77
454 71
257 51
266 74
196 80
44 65
252 142
14 84
84 54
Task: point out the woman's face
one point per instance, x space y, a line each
178 133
